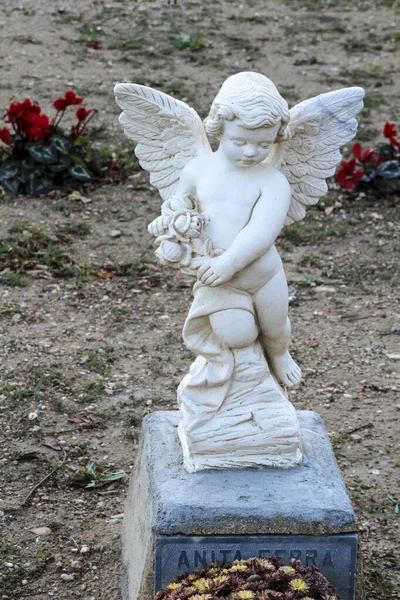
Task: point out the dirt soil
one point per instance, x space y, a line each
90 333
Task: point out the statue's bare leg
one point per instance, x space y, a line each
272 306
235 327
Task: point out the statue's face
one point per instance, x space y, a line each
247 147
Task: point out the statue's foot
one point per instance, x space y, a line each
285 369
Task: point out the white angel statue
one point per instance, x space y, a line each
221 215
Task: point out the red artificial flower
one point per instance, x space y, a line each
347 176
390 131
82 113
69 99
60 104
364 156
95 46
27 119
72 98
37 126
5 135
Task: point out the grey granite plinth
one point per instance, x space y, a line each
303 512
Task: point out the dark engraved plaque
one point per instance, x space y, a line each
334 555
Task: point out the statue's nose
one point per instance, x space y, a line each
249 151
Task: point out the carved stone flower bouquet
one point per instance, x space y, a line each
180 236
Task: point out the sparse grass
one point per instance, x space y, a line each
133 420
73 228
128 45
40 381
90 32
14 280
22 39
367 134
310 259
119 312
99 362
353 45
240 43
309 281
155 364
61 406
24 250
132 435
312 230
184 41
92 391
290 94
375 100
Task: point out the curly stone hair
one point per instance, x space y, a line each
253 99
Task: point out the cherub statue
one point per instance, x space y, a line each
221 215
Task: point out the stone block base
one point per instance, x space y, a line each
176 521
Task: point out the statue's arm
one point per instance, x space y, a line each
264 226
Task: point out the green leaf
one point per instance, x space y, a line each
62 144
389 169
78 151
37 184
80 172
11 186
9 169
90 468
27 168
61 165
91 484
113 476
386 152
43 152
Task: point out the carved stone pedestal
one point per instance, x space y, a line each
175 521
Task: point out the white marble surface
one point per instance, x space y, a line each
221 215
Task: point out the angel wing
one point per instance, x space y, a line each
168 133
318 127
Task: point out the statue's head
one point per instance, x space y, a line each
250 98
247 116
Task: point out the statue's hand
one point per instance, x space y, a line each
216 271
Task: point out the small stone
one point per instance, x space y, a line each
36 500
393 356
78 196
41 531
114 521
68 576
325 289
24 582
115 233
33 416
356 437
76 564
375 472
85 549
